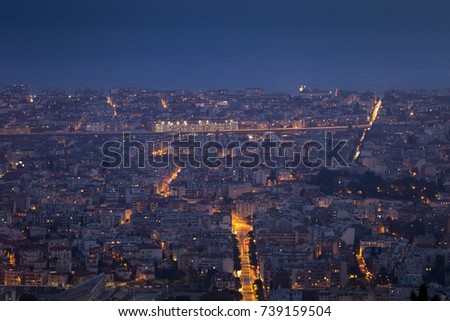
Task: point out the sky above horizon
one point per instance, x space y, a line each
344 15
174 43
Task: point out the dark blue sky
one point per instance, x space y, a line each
233 43
344 15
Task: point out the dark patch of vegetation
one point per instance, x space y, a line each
259 290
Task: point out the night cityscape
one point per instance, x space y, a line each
134 190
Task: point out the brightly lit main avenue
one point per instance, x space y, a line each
247 275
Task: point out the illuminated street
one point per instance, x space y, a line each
373 117
363 267
243 131
165 185
247 275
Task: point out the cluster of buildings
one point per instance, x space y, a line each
200 126
93 111
375 229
